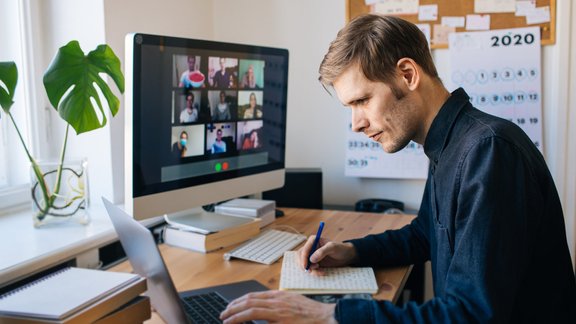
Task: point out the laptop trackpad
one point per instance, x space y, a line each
230 291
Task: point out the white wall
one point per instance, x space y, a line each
182 18
569 189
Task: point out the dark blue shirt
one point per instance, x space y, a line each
490 222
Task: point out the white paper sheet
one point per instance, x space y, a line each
428 12
524 7
538 16
426 30
453 21
397 7
477 22
493 6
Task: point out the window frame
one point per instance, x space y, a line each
25 44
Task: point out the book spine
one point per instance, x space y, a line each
211 242
136 311
237 211
247 232
185 239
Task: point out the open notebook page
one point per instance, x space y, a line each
345 280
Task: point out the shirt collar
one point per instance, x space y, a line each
443 123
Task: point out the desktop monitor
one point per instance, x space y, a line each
205 122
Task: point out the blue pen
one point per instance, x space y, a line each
315 244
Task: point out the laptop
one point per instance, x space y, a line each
173 307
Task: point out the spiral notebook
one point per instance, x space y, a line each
72 291
344 280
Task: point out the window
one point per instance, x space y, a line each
14 165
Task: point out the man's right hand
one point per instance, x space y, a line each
328 254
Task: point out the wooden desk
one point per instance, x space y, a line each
191 270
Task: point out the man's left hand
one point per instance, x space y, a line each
278 307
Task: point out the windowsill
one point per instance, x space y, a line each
27 250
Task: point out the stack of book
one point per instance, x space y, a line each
75 295
189 238
265 210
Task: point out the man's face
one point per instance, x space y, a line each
189 102
222 63
219 134
377 110
191 63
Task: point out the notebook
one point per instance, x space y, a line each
146 260
70 291
343 280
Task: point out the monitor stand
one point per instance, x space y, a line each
201 221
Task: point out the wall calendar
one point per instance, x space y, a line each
366 158
500 71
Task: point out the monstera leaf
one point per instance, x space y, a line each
8 79
71 82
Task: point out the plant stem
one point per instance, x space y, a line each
35 168
56 190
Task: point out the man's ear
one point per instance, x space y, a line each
409 73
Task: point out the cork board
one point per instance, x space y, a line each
462 8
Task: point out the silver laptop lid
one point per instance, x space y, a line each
145 258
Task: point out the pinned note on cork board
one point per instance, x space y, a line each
440 17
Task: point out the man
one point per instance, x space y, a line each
185 81
190 113
490 219
219 146
179 148
221 78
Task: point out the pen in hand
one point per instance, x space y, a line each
314 245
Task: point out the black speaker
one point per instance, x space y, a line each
302 189
378 205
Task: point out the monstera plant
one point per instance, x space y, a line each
70 83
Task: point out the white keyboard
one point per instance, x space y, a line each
267 247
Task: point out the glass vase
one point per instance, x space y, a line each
66 202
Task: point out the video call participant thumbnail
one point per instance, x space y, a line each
252 74
223 72
191 77
249 135
248 104
222 104
188 107
221 138
187 141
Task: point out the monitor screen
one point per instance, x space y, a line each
205 122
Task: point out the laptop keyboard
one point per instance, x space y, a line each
205 308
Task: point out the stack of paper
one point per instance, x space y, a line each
73 295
